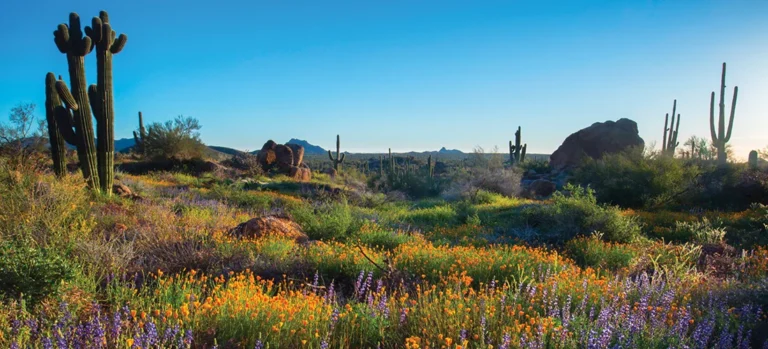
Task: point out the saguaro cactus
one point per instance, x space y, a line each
58 148
381 166
753 159
69 40
669 143
101 95
140 136
430 167
517 152
721 137
339 156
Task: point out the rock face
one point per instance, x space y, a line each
298 153
594 141
302 174
270 225
285 158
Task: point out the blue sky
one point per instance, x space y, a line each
410 75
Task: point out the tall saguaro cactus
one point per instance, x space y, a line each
721 137
69 40
669 143
339 156
101 95
58 148
517 152
140 136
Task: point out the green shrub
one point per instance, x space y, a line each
635 180
577 214
702 232
326 221
177 139
30 272
593 252
379 238
729 187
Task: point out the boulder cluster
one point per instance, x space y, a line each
284 158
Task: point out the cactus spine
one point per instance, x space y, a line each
669 142
720 136
753 159
58 148
102 97
339 156
140 136
70 41
517 152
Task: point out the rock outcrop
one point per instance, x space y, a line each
595 141
284 158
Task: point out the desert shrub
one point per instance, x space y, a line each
376 237
30 272
702 232
540 166
729 187
633 179
576 214
23 140
477 183
593 252
327 220
37 208
248 163
176 139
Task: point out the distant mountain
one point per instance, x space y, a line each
225 150
309 149
123 145
450 151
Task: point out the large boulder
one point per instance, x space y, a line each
302 174
270 225
284 159
595 141
267 156
298 153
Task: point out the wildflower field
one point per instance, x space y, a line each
162 271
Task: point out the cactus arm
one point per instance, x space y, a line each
66 95
65 124
58 148
733 112
664 139
712 119
343 156
330 156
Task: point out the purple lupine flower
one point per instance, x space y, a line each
334 318
14 345
463 336
330 296
725 341
116 327
505 341
403 315
324 344
259 344
359 283
188 338
47 343
316 281
703 332
483 323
